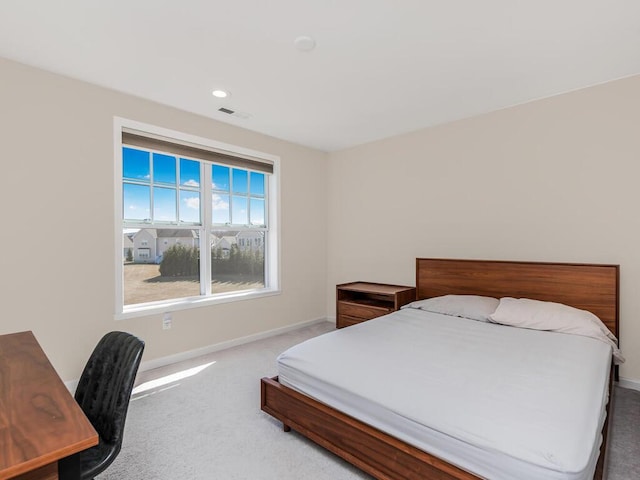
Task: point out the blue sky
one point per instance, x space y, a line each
137 167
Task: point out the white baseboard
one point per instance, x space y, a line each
179 357
629 383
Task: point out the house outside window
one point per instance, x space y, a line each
189 250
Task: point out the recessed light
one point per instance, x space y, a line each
221 93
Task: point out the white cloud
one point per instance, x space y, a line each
138 207
192 202
218 204
191 183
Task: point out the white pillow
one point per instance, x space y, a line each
556 317
474 307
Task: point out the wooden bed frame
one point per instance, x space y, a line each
585 286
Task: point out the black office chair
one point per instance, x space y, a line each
103 393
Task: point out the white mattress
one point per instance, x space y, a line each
500 402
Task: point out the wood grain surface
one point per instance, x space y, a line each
586 286
40 422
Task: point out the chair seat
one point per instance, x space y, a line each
96 459
86 464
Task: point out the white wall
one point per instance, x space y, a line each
552 180
57 198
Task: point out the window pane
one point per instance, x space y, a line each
189 173
164 204
136 202
164 168
220 208
257 183
239 211
220 177
163 228
189 206
135 164
237 261
160 264
240 181
257 211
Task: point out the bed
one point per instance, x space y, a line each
348 427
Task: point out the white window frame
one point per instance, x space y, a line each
272 250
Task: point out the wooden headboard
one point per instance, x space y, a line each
591 287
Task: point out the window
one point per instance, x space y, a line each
201 216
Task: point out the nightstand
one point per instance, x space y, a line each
358 302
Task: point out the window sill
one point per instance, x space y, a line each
194 302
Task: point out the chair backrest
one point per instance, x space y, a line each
106 383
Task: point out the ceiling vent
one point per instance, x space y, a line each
242 115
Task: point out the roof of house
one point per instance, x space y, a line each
250 234
169 232
176 233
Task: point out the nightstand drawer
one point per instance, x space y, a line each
360 310
347 321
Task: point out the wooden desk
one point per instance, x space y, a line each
40 422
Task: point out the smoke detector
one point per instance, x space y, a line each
304 43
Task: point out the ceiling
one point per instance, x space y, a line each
380 67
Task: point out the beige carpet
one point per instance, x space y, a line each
209 425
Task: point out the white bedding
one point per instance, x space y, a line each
498 401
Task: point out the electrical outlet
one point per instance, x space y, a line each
166 320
